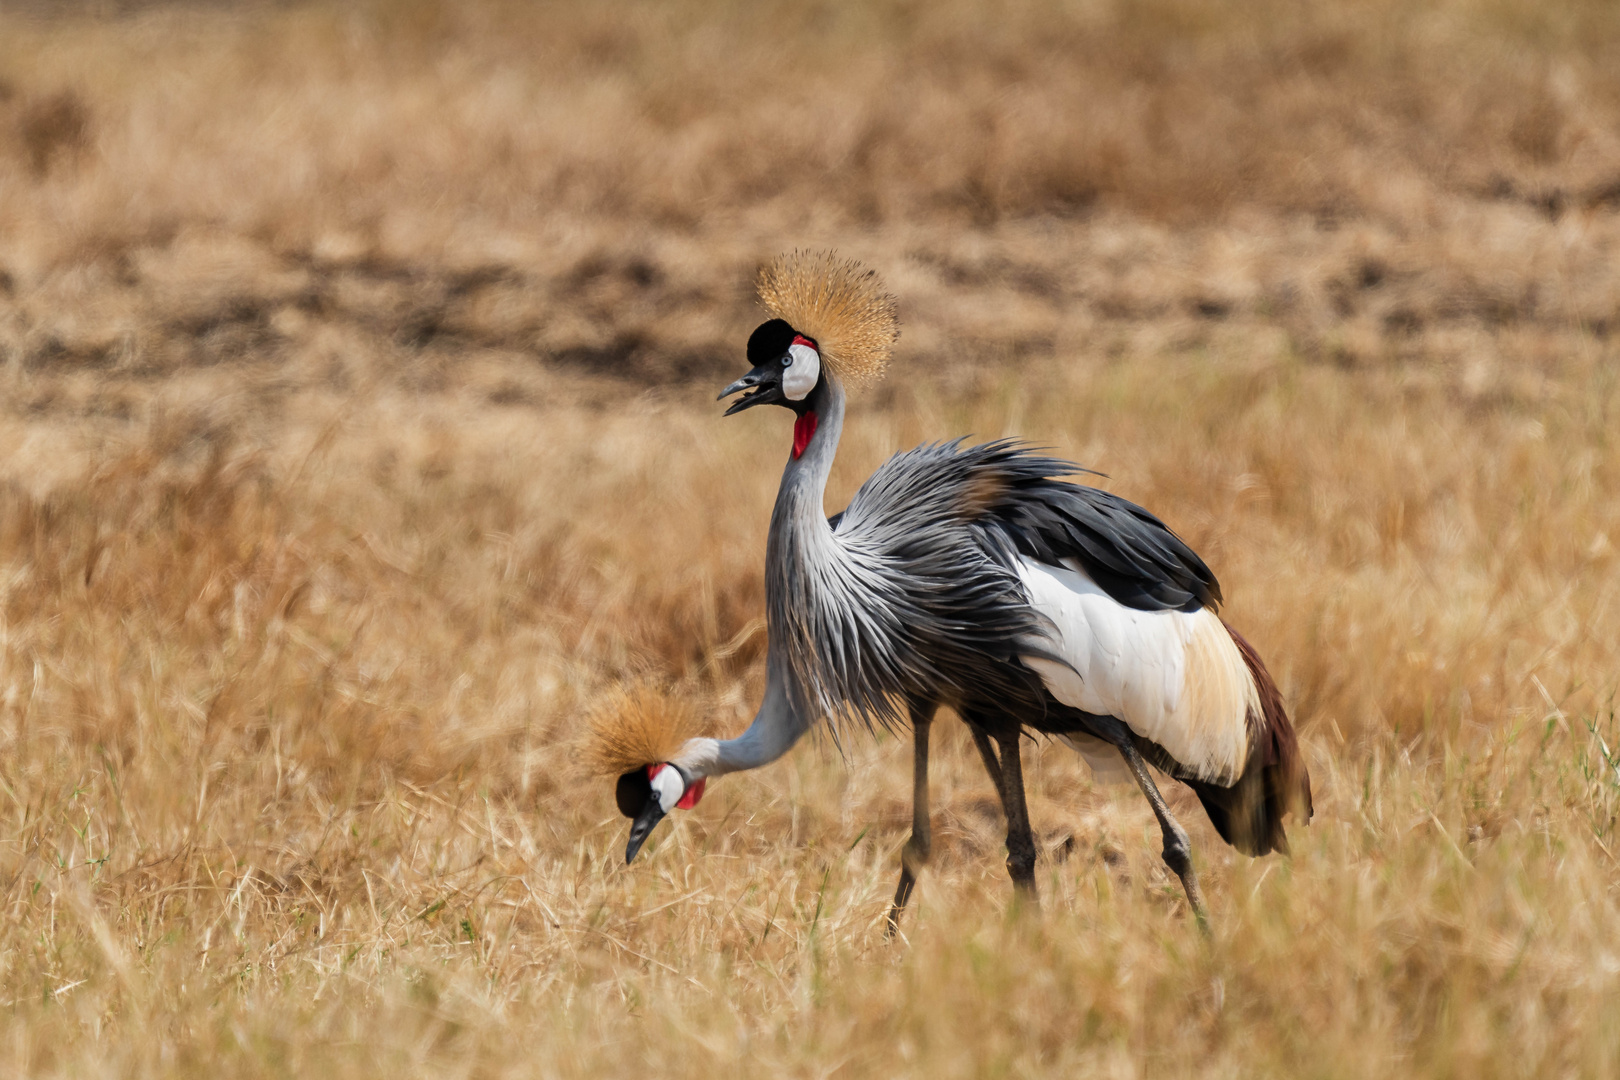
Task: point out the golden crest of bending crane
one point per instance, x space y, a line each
633 727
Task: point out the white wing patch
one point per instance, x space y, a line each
1174 677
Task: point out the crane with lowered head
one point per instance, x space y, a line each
975 577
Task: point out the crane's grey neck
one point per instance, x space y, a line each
800 540
799 516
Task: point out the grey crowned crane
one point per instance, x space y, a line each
973 577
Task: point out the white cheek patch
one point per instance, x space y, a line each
669 787
802 375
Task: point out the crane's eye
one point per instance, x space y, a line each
787 360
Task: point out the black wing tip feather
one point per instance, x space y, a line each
1132 555
1145 564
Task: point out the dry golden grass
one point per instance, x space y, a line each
358 441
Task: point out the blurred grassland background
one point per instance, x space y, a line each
357 437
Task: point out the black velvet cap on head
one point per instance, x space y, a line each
769 341
632 792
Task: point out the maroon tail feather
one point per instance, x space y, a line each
1275 782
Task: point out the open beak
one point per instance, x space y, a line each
765 382
650 816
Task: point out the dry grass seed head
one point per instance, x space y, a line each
635 726
839 303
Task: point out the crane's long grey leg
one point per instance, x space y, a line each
1020 840
914 856
991 765
1177 851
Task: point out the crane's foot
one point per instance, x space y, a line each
1020 837
1026 897
914 856
1021 868
912 859
1006 771
902 894
1177 849
1178 857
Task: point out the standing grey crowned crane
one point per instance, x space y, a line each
970 576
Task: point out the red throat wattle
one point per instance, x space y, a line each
804 429
690 797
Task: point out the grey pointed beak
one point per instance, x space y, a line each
646 821
766 383
743 383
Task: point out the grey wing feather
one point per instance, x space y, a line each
913 592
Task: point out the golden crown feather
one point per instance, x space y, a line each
634 726
839 303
